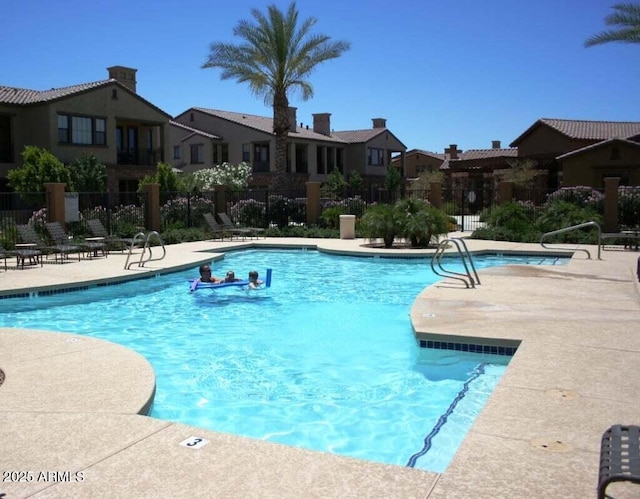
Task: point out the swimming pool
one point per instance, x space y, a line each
324 359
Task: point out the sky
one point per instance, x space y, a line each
441 72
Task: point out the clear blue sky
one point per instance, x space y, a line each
440 71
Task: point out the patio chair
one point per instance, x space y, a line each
244 231
215 227
98 230
60 236
34 256
3 256
29 236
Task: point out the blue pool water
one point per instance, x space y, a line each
325 359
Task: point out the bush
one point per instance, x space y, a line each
175 236
629 206
560 214
420 221
249 212
331 216
382 221
509 222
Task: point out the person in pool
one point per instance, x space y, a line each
254 282
207 276
230 277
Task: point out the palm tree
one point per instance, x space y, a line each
275 58
627 20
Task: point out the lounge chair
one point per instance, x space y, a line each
216 228
244 231
28 235
98 230
60 236
34 256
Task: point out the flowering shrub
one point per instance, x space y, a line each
174 212
582 196
38 220
248 212
349 206
629 206
235 177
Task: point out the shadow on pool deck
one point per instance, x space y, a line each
70 406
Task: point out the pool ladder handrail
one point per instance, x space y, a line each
571 228
469 280
146 249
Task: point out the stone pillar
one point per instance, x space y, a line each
435 194
611 220
313 202
55 202
152 212
505 192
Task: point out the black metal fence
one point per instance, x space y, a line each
123 213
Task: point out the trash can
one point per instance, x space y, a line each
347 226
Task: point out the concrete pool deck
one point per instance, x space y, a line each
69 404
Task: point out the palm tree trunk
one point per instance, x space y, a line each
281 131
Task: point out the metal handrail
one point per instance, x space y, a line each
140 238
467 278
584 225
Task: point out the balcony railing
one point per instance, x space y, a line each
140 156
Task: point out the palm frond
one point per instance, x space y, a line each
627 18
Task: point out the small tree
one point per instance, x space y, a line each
39 167
88 174
335 184
522 172
355 181
424 180
165 176
393 179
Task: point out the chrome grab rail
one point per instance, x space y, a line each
572 228
467 278
138 239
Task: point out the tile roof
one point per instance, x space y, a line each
265 124
474 158
427 153
194 131
582 150
358 136
470 154
586 130
23 96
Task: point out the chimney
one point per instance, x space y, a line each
322 123
291 111
495 144
452 151
124 75
379 123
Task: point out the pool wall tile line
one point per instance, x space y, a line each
469 347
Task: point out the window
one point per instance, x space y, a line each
261 157
63 128
176 152
246 153
196 154
82 130
375 156
225 153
